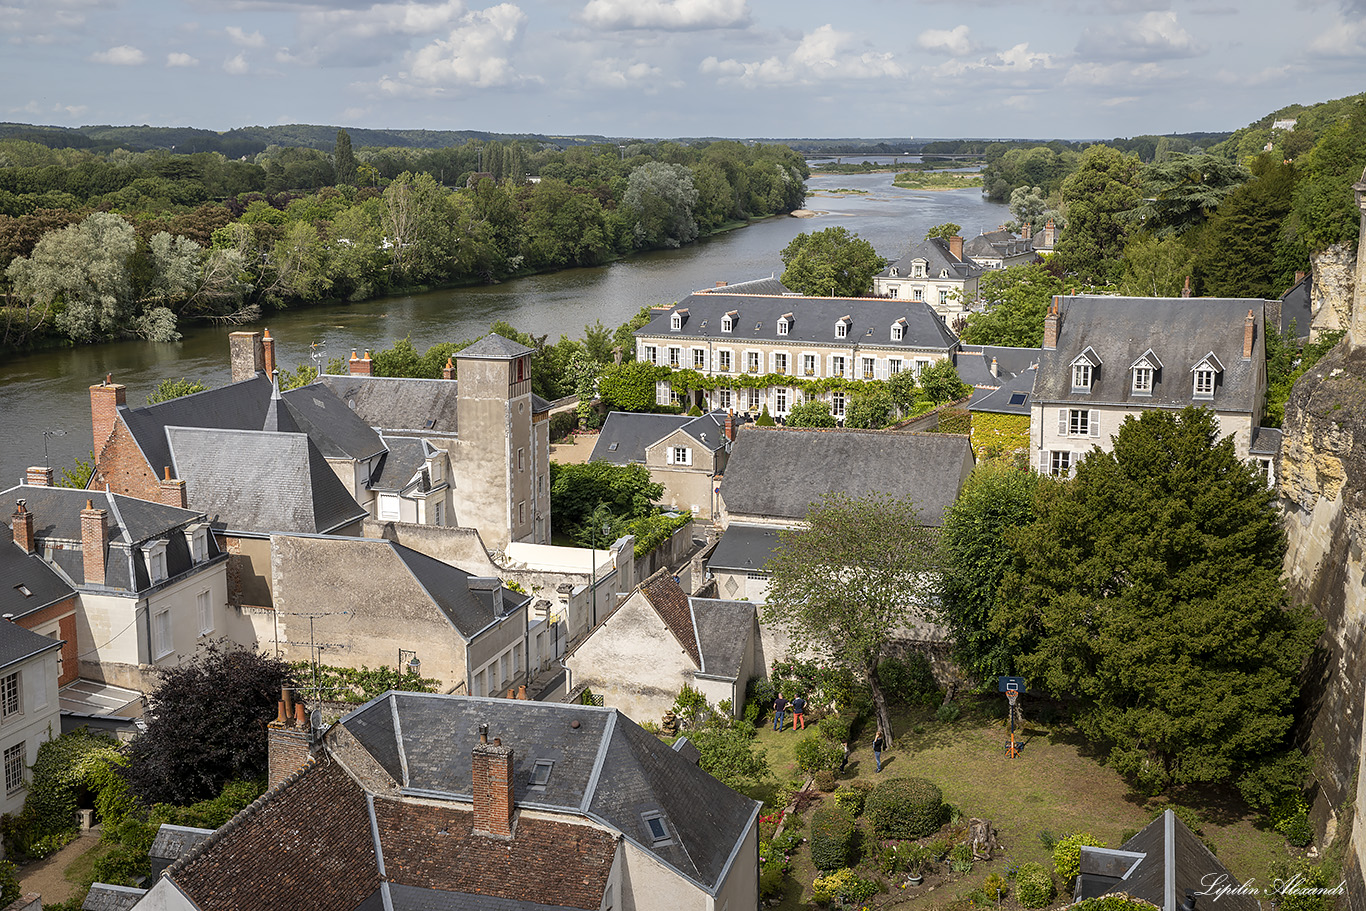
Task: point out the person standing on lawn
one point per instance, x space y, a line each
799 712
779 712
878 743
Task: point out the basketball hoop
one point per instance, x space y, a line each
1012 696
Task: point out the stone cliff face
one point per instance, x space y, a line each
1334 272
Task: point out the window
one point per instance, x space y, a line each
1079 423
837 404
1143 380
521 459
388 506
893 366
893 272
837 366
656 828
753 397
782 326
197 536
680 455
841 329
161 630
205 613
809 364
891 292
503 674
1081 377
155 553
540 773
780 363
943 297
439 517
675 322
652 354
898 330
868 366
10 703
521 513
917 294
752 361
675 357
780 401
723 361
14 768
920 365
724 399
1060 464
1204 383
699 359
918 270
728 323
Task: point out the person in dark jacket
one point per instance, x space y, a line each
779 712
878 743
799 712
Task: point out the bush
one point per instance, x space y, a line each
995 887
908 681
1033 886
65 766
765 419
1190 817
1296 827
9 882
843 886
948 712
960 859
1067 854
561 424
835 728
832 837
815 753
851 799
905 808
1112 903
825 780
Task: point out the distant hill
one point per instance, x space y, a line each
1309 122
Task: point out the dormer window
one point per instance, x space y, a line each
728 321
943 273
918 270
656 829
1144 372
1206 376
842 327
784 322
1082 369
899 330
197 537
155 554
893 272
677 320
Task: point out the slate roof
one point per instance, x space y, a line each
625 435
469 610
725 630
407 456
935 252
494 345
398 404
744 548
778 472
259 482
104 897
1297 307
174 842
337 431
770 285
1180 331
607 769
671 603
997 245
19 644
1266 441
1014 396
17 569
813 321
973 363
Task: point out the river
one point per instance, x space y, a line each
47 391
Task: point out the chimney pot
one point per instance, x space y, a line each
300 714
484 733
268 353
38 476
280 713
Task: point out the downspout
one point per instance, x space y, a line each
146 605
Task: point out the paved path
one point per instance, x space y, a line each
46 876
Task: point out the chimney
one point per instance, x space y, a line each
38 476
1299 277
492 764
1050 234
21 523
1051 323
1027 231
94 541
1249 333
995 369
448 371
268 353
360 366
247 355
1186 288
173 491
956 247
721 284
289 740
730 425
105 399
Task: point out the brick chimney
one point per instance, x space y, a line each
289 741
1249 333
1299 277
448 371
94 542
492 763
38 476
721 284
1186 288
730 425
1027 231
1051 323
105 399
1050 234
247 354
21 523
268 353
360 366
956 247
173 491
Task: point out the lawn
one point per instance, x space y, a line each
1055 786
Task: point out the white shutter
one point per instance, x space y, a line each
669 456
687 456
1062 422
1094 423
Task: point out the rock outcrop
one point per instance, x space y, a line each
1334 272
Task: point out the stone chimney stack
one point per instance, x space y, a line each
94 542
268 353
38 476
21 523
492 790
1050 234
105 399
247 354
1027 231
995 368
721 284
1051 323
448 371
956 247
173 491
1249 333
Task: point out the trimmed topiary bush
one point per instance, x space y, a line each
832 837
905 808
1033 886
815 753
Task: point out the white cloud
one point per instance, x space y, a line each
1155 36
1016 61
673 15
618 74
823 55
1127 74
236 66
175 58
1346 39
375 34
475 53
123 55
244 38
954 41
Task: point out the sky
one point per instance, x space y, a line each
1070 69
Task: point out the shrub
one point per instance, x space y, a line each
995 887
851 799
1033 886
835 728
960 859
1067 853
905 808
1297 828
1190 817
9 882
765 419
1307 878
561 424
908 681
832 837
1112 903
843 886
825 780
65 766
948 712
815 753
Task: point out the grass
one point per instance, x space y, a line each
912 180
1057 785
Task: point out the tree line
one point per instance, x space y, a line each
94 247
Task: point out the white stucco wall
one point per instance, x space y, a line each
38 721
1045 437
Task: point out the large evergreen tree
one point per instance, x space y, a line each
344 160
1096 198
1149 589
1238 246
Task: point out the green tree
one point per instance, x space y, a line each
630 386
344 160
945 231
1237 253
583 497
169 389
870 408
1095 200
811 413
659 200
1149 589
1156 267
765 419
1182 191
1029 207
853 574
904 389
941 384
1017 301
830 262
1324 210
78 475
995 499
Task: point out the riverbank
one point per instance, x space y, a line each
938 180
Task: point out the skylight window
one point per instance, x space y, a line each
612 447
1018 398
540 773
23 590
657 829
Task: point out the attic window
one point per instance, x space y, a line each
657 828
430 424
23 589
540 773
612 447
1018 398
728 321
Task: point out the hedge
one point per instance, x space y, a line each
832 837
905 808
